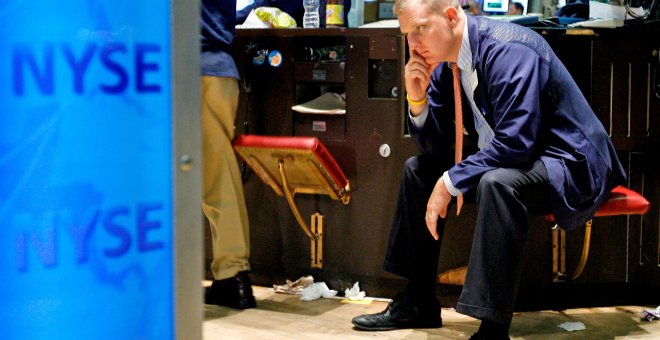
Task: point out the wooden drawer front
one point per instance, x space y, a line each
331 72
325 127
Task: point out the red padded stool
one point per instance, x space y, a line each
622 201
296 165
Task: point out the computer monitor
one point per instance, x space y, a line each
499 7
496 6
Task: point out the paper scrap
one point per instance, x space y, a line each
572 326
294 287
317 290
354 292
651 314
364 301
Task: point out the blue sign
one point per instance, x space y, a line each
86 170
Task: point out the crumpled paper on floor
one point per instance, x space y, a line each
651 314
294 287
572 326
317 290
354 292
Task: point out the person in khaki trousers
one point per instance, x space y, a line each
223 201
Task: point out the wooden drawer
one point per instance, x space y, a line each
328 72
325 127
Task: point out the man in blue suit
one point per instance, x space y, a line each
539 149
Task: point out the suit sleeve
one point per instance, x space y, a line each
436 137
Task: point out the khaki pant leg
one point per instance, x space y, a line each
223 201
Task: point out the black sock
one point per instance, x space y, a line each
422 294
422 283
494 329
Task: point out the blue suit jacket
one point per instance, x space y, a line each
536 112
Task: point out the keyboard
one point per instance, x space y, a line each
599 23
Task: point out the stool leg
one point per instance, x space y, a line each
292 203
585 251
559 254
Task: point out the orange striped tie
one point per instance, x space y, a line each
458 120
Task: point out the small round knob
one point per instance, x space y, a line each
185 163
384 150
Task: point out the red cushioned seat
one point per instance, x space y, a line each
293 165
622 201
308 149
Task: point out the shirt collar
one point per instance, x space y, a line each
465 53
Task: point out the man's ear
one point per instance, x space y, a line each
451 13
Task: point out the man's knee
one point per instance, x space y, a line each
425 167
411 164
410 171
492 181
490 178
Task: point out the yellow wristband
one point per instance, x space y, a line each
413 102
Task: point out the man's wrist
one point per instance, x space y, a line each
449 185
418 118
420 102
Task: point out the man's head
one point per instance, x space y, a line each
515 8
400 5
434 28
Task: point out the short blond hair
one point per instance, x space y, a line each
435 5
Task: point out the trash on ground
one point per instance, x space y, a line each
294 287
651 314
309 290
572 326
317 290
354 292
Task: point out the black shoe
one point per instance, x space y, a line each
400 313
234 292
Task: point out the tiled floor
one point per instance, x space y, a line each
281 316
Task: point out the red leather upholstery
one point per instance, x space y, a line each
302 143
622 201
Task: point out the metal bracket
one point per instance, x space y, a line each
559 254
317 241
315 233
292 204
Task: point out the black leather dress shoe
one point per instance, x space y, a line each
234 292
400 313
